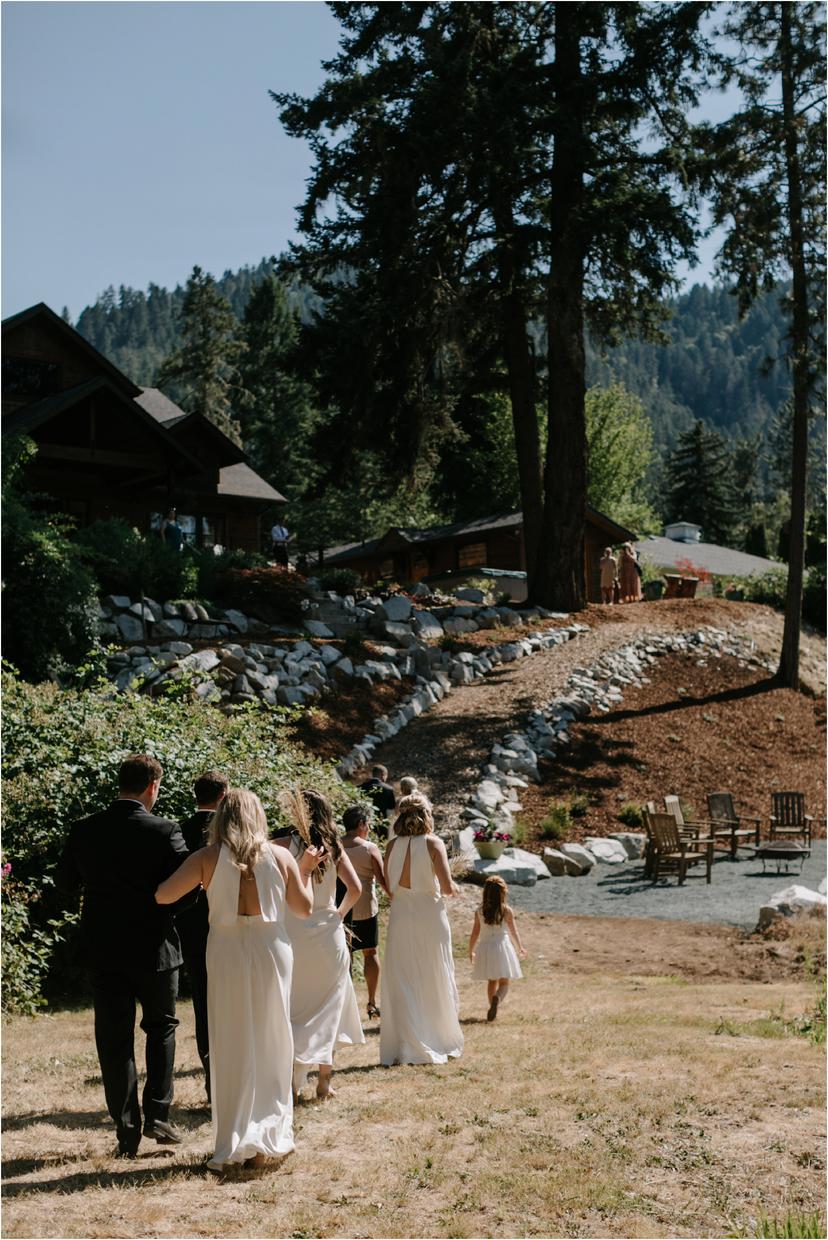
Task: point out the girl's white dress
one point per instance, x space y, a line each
420 1003
249 965
494 955
323 1005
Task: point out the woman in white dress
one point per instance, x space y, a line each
323 1004
420 1003
250 883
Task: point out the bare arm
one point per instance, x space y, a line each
189 874
353 887
387 883
511 926
298 877
379 871
440 865
474 936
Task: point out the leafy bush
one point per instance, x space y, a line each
767 587
558 822
272 594
631 814
341 580
125 561
814 597
60 763
49 606
213 569
579 807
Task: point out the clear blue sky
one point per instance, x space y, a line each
139 139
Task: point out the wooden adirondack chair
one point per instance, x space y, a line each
788 817
698 832
649 851
726 824
670 849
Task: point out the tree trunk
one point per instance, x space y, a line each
789 659
559 572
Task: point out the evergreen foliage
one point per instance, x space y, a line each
701 487
202 373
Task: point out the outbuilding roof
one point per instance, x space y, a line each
720 561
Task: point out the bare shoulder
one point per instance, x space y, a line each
281 854
435 844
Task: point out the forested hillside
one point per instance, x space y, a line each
711 369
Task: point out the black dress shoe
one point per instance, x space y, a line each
127 1151
163 1132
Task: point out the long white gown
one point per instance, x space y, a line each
249 966
323 1004
420 1003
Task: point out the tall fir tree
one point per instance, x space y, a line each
276 409
768 189
700 481
203 371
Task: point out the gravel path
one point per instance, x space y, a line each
736 892
446 747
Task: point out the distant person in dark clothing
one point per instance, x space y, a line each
381 794
130 944
194 922
171 531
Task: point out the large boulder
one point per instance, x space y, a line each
610 851
793 899
396 608
426 626
522 857
634 842
470 594
317 629
558 864
129 627
510 869
238 619
169 628
578 853
117 602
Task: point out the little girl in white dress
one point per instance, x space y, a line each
491 951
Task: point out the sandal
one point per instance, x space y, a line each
373 1011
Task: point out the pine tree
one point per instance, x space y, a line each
276 412
768 187
203 370
700 481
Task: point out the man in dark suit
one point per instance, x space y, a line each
130 944
194 922
382 795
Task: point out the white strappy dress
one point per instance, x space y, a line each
420 1003
249 966
323 1005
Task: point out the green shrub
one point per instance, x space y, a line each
125 561
631 814
814 597
60 763
519 833
558 822
213 569
341 580
579 807
273 594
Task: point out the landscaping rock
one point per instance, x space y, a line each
169 628
793 899
117 602
129 627
509 869
317 629
634 842
237 618
470 594
579 854
397 608
426 626
610 851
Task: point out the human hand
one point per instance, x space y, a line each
522 953
310 859
472 957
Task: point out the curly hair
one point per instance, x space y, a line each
495 892
414 816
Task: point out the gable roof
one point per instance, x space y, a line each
41 310
179 423
243 482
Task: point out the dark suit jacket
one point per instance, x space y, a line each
119 857
193 923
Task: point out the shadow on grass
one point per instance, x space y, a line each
79 1181
58 1119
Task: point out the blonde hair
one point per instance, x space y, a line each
495 892
240 823
414 816
408 784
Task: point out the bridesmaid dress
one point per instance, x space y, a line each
420 1003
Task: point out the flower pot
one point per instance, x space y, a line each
489 850
653 590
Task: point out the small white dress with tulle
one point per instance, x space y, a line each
494 956
249 965
323 1005
420 1003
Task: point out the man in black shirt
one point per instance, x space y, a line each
382 795
130 944
194 922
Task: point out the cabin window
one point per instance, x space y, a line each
471 555
188 525
30 377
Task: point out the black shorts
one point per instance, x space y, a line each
365 933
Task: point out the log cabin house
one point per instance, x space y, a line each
448 552
109 448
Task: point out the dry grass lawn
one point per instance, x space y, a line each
602 1102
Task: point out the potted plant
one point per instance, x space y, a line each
489 842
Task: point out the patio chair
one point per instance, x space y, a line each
788 816
726 824
698 832
648 809
669 849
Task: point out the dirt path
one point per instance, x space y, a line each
446 747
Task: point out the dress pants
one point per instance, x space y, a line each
195 963
115 991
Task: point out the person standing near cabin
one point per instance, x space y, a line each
609 571
629 574
193 923
279 543
171 531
